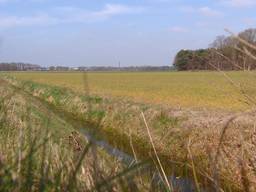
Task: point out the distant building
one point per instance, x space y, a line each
74 68
82 69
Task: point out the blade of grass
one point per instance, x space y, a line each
156 155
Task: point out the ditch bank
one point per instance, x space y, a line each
93 121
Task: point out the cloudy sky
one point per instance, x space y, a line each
103 32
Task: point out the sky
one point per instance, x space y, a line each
104 33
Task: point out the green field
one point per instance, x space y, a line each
179 89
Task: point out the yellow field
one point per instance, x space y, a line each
184 89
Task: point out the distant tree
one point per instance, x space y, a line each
18 67
248 35
183 59
192 60
225 53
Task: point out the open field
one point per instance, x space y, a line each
190 142
211 90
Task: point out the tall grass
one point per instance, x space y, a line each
37 156
170 136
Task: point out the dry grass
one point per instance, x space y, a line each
190 140
41 152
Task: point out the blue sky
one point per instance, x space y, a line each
97 32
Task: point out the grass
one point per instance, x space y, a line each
40 151
190 139
209 90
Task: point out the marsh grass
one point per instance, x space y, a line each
167 130
39 152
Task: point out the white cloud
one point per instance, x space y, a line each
239 3
74 14
67 15
14 21
205 11
115 9
178 29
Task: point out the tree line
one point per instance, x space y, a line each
18 67
225 53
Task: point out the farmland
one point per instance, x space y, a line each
185 113
210 90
